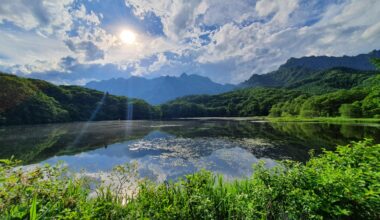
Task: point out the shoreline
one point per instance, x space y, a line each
287 119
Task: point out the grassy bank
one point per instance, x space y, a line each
324 119
336 185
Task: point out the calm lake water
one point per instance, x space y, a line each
170 149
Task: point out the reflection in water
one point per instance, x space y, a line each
168 150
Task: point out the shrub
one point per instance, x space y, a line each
350 110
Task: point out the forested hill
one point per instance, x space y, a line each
301 69
30 101
331 80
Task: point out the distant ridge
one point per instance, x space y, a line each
162 89
296 70
359 62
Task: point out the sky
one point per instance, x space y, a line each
77 41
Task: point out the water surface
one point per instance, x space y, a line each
170 149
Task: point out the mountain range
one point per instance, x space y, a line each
162 89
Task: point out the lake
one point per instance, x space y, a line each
170 149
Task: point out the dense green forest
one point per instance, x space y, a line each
336 185
330 93
31 101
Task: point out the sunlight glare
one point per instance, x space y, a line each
127 37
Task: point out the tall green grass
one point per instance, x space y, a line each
344 184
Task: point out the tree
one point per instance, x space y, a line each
350 110
376 62
371 104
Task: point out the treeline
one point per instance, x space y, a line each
30 101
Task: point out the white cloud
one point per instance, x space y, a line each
345 29
48 17
281 9
178 17
25 17
45 38
372 32
145 46
87 49
30 51
160 62
183 19
82 13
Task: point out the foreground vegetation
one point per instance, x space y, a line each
336 185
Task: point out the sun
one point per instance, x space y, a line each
127 37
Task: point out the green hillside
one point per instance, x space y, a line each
331 80
280 78
310 81
30 101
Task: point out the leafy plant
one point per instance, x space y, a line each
33 209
